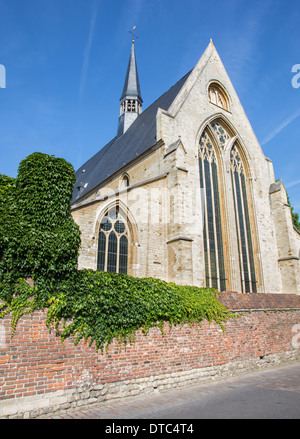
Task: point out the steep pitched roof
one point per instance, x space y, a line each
132 84
120 151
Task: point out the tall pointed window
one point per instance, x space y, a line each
212 230
113 243
244 238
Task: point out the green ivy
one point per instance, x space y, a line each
38 237
295 216
21 301
103 306
40 240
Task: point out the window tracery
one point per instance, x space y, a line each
113 243
212 230
221 133
236 163
206 150
242 219
218 96
217 134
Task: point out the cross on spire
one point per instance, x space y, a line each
133 33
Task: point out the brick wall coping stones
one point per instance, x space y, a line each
259 301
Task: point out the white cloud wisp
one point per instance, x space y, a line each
87 49
283 125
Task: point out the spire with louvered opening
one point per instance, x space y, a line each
131 99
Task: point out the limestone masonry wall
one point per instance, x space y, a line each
40 374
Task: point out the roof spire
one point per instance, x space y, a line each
132 85
131 99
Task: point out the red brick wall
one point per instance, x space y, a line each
35 362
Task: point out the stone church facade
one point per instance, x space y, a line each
185 194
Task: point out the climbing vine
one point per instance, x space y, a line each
39 240
103 306
295 216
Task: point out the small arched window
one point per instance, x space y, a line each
113 243
218 96
125 181
242 219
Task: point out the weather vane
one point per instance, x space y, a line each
133 33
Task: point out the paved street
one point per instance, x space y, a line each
269 394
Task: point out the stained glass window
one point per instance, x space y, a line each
123 256
243 228
112 252
113 243
212 230
101 251
221 133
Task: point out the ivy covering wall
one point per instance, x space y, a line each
40 240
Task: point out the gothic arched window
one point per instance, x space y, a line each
242 219
113 243
212 230
218 96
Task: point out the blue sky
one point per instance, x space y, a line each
66 60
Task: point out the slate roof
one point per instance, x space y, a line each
120 151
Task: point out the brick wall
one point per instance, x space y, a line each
40 374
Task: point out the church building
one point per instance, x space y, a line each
184 192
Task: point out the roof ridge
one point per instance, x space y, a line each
120 151
181 79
